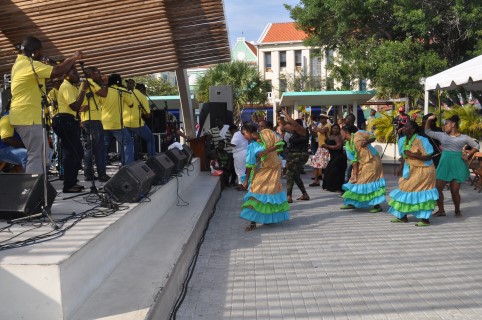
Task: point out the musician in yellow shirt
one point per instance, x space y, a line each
67 127
92 126
117 100
135 122
28 87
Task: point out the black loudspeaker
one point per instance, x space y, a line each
158 121
131 183
162 166
210 112
188 152
22 194
218 110
178 157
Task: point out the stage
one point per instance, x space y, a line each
102 263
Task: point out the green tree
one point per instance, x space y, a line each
243 77
392 43
157 86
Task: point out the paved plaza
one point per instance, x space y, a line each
325 263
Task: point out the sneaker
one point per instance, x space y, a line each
104 178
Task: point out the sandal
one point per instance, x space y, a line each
306 198
458 214
439 214
250 227
314 184
348 206
422 224
376 209
397 220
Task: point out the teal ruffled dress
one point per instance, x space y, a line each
416 193
266 201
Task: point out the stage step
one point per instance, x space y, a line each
149 278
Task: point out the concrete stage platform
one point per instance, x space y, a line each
128 264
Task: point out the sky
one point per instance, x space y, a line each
248 18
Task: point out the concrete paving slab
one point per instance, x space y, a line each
325 263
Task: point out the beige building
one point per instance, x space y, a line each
290 65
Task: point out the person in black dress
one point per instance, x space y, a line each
335 170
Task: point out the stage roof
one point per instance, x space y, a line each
128 37
325 98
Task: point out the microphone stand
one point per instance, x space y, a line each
46 209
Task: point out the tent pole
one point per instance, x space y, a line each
439 108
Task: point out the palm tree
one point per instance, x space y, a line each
243 77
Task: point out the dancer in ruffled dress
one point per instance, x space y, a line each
366 187
416 193
266 201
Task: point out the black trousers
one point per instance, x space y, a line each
68 129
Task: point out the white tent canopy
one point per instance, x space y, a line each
467 75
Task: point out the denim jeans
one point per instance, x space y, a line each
14 156
124 138
145 134
94 128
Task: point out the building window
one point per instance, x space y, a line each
282 86
267 61
282 59
269 85
329 56
330 84
363 85
298 59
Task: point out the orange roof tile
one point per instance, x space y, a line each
252 48
283 32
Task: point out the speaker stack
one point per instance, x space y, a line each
162 166
131 183
22 195
188 152
178 157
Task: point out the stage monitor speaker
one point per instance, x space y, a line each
162 166
178 157
22 194
131 183
188 152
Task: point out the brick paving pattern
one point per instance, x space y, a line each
325 263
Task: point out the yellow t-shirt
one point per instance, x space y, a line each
94 103
6 129
67 95
53 108
140 104
111 119
26 107
322 136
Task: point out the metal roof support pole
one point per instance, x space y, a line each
186 103
355 111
